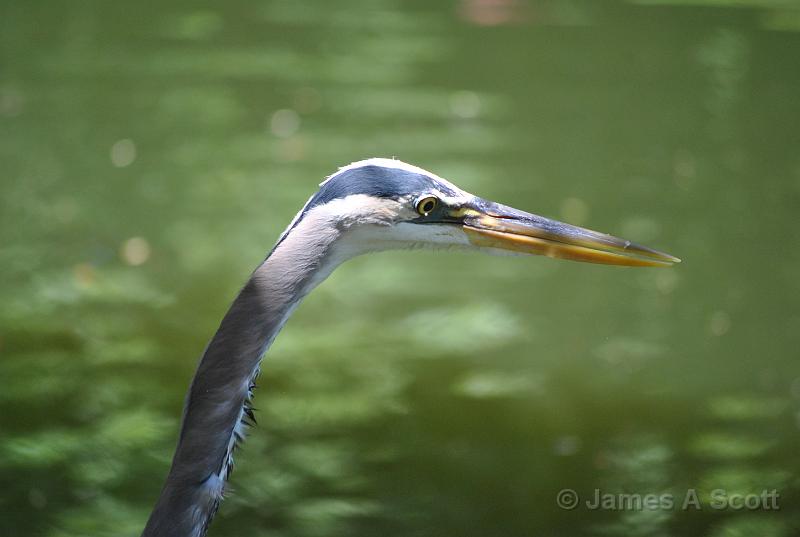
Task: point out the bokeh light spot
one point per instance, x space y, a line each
123 153
284 123
135 251
84 274
11 102
719 324
465 104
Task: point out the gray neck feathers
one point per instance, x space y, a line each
217 403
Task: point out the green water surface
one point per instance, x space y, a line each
151 153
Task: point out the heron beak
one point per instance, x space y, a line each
492 225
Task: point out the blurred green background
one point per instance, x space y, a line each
151 152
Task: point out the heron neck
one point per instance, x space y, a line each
216 405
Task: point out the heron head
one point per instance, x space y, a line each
382 204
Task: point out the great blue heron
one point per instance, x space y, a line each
368 206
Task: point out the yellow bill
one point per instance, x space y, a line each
492 225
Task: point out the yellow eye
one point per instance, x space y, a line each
426 205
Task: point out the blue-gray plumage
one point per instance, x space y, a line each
372 205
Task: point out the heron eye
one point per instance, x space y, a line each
426 205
